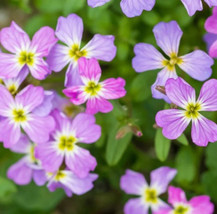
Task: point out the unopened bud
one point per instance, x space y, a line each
122 132
161 89
136 130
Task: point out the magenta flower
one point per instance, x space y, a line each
134 183
69 31
197 205
211 37
196 64
25 53
28 167
197 5
63 145
130 8
94 92
175 121
21 113
67 180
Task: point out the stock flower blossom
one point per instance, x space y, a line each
69 30
197 205
130 8
175 121
71 184
197 5
28 167
134 183
21 113
211 36
94 92
196 64
25 53
63 144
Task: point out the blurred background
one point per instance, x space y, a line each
119 148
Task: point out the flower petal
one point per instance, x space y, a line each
213 50
211 3
136 206
211 23
22 146
39 177
147 57
176 195
168 36
133 182
86 129
70 29
101 47
173 122
97 3
192 7
210 38
132 8
203 131
72 76
197 65
161 177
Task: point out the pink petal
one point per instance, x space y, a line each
136 206
213 50
39 177
176 195
22 146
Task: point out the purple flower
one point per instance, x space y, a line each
28 167
94 92
196 64
175 121
211 37
69 31
63 147
196 5
67 180
21 112
197 205
25 53
134 183
130 8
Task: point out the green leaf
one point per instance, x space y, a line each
211 157
115 148
162 145
183 140
72 6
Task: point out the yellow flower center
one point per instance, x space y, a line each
67 143
12 89
32 154
192 110
75 52
60 175
174 60
92 88
151 196
181 210
26 58
19 115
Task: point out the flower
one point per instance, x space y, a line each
211 37
28 167
67 180
193 6
175 121
25 53
69 30
63 147
197 64
94 92
134 183
21 112
130 8
197 205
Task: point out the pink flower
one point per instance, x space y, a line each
92 91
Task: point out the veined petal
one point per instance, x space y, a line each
70 29
197 65
176 195
133 183
132 8
13 38
22 146
147 57
208 96
101 47
180 92
81 162
86 129
168 36
97 3
203 131
72 76
161 177
192 7
136 206
58 58
173 122
43 40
